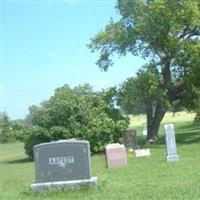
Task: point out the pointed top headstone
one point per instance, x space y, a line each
170 143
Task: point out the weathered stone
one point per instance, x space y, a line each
64 162
130 139
142 152
116 155
170 143
144 131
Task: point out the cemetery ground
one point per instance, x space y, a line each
144 178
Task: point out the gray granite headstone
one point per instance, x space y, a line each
171 143
130 139
64 163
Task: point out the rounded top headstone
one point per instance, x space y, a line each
64 141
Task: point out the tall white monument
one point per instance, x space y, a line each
144 132
171 143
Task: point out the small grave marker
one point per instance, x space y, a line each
116 155
144 132
130 139
142 152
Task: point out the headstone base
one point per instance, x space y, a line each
171 158
60 185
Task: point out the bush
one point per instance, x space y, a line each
58 132
71 114
35 135
18 131
197 118
5 135
5 128
10 130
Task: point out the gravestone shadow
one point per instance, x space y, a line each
19 161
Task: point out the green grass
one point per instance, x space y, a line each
149 178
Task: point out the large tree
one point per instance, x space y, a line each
167 34
144 91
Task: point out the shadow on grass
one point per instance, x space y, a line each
55 193
188 134
19 161
185 134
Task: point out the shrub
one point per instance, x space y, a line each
58 132
35 135
197 118
5 128
18 131
74 114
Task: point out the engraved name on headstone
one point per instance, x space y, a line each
62 161
171 143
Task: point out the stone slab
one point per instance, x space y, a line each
116 155
130 139
142 152
62 160
60 185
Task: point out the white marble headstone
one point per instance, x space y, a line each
144 132
142 152
171 143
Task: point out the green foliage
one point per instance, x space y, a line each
10 130
35 135
167 34
158 29
141 90
197 118
59 132
76 113
5 128
35 113
18 130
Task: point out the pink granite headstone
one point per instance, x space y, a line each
116 155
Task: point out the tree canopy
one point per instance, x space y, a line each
167 34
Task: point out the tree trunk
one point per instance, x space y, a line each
153 121
156 111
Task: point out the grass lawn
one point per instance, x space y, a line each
144 178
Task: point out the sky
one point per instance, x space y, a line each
44 46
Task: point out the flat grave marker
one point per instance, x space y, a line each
142 152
